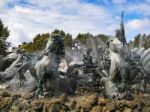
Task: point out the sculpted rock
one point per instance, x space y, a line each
10 72
110 88
15 75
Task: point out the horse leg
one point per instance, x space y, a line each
73 84
21 70
2 77
33 72
41 84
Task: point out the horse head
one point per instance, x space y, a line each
57 45
115 44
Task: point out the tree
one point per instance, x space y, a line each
40 40
131 44
147 42
68 40
28 47
102 37
67 37
38 43
4 34
137 40
60 32
83 37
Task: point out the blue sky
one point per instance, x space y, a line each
26 18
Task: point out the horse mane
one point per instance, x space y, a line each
48 44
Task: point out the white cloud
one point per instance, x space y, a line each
141 8
2 2
72 16
137 26
119 1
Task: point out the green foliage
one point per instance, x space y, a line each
28 47
131 43
68 40
102 37
40 40
39 43
60 32
147 42
83 37
67 37
4 33
145 39
137 40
